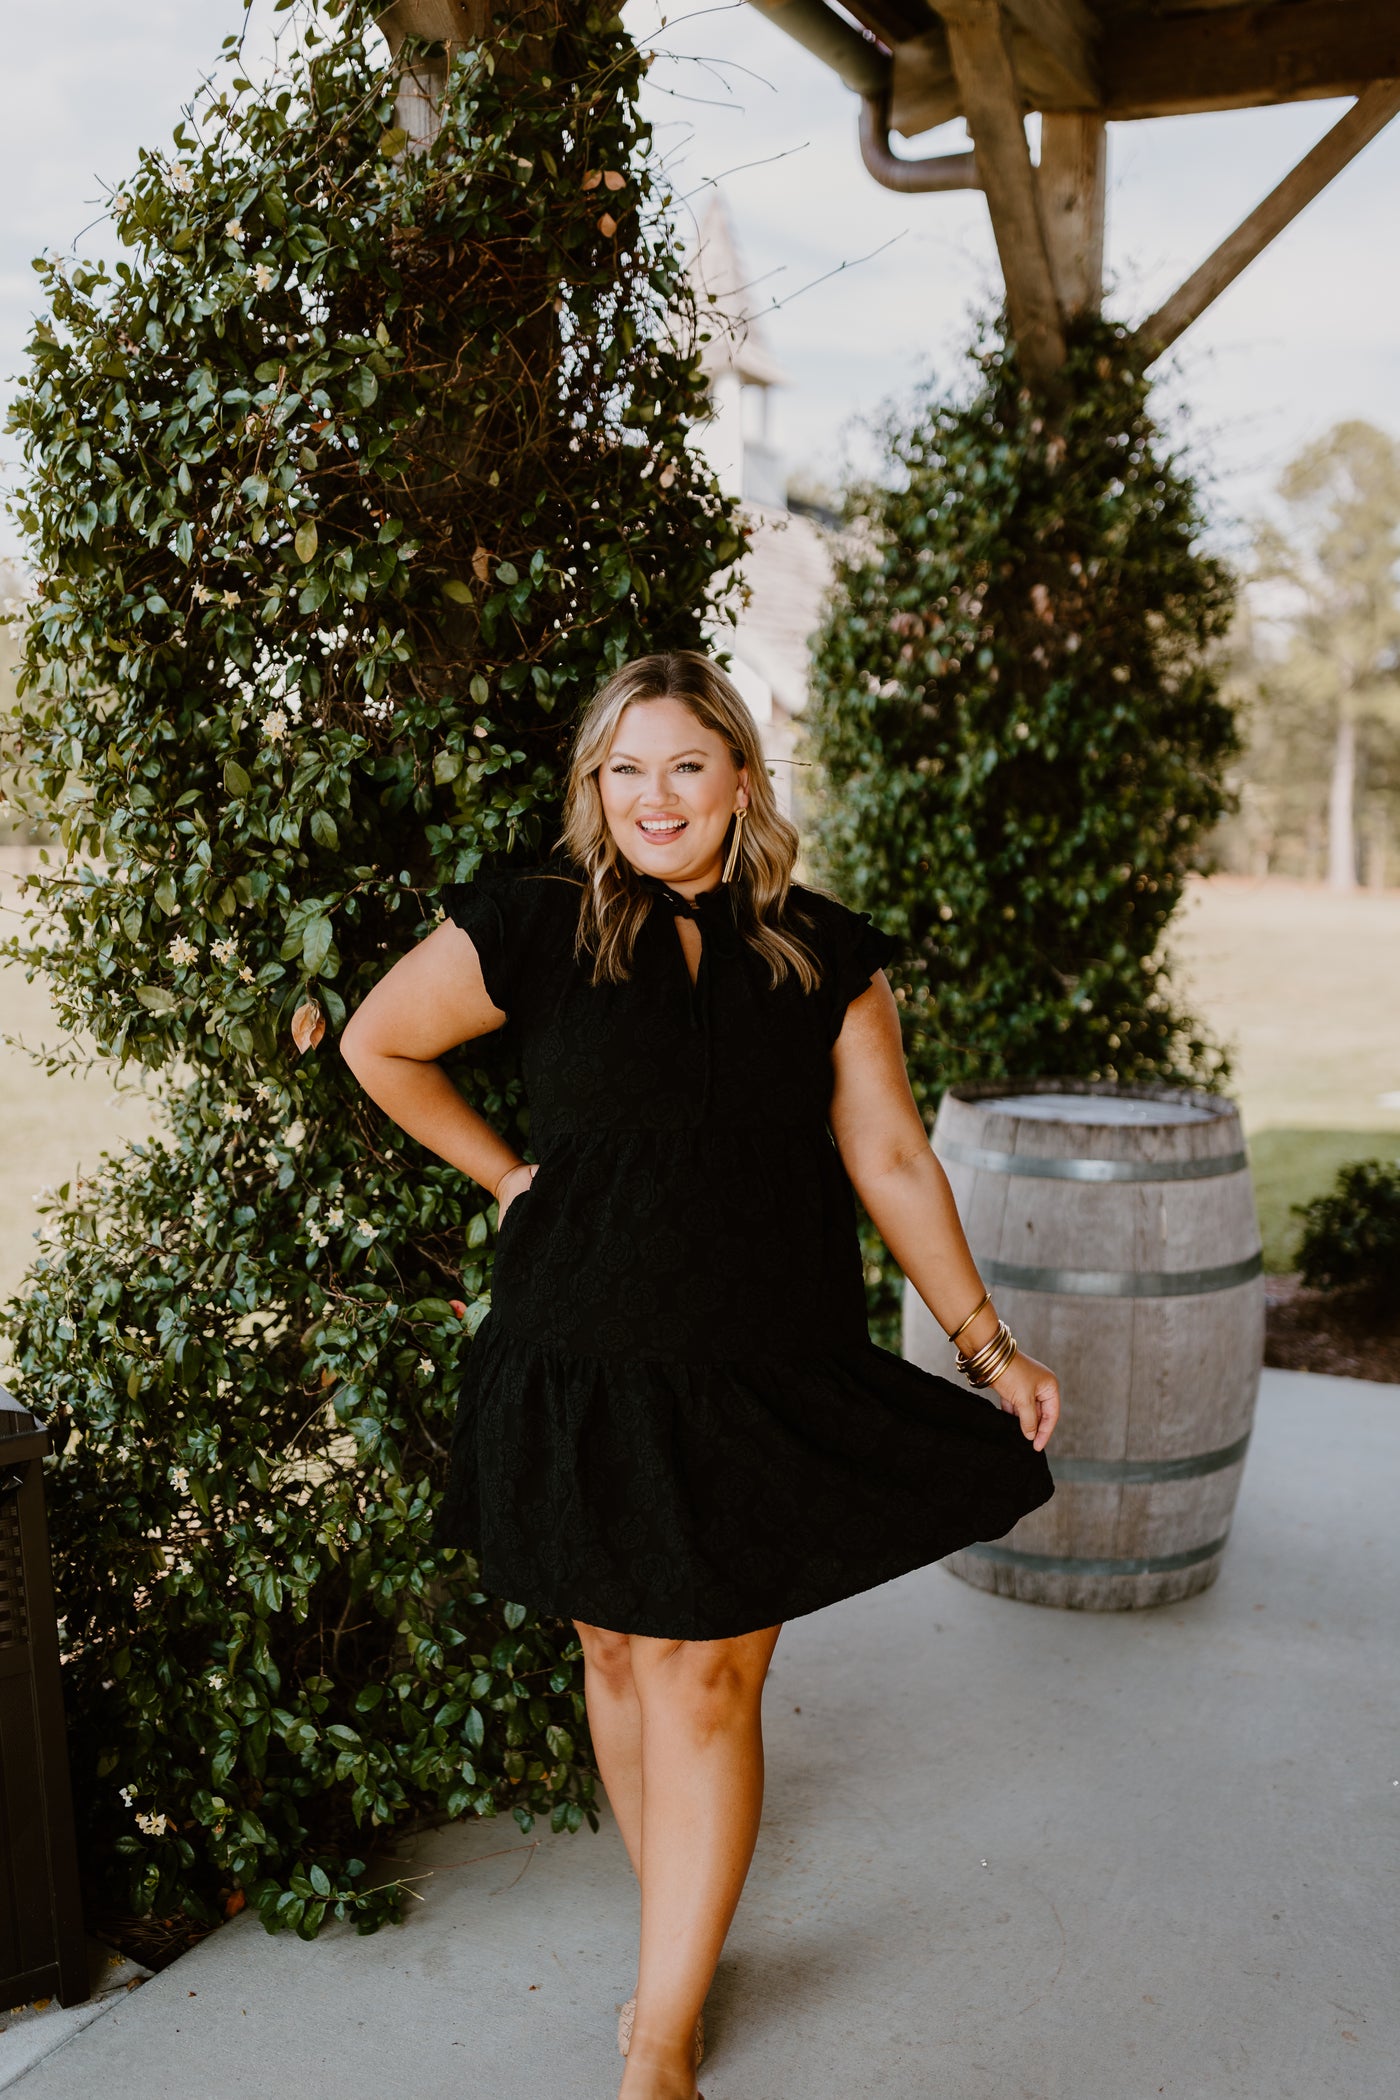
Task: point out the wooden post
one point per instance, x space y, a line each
991 100
1073 183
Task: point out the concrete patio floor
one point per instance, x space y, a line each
1008 1853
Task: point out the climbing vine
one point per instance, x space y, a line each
343 488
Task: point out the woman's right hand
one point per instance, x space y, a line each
512 1184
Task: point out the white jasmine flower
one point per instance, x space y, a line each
226 949
245 974
121 202
183 952
181 178
316 1233
236 1112
234 229
262 1091
263 277
202 594
426 1366
294 1135
154 1825
179 1480
365 1230
274 725
335 1215
232 598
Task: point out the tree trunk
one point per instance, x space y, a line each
1341 809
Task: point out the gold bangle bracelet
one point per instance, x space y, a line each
991 1375
985 1299
991 1357
985 1352
996 1362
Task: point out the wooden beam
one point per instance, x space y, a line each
437 21
991 101
1231 57
1072 175
1060 35
1369 114
1240 57
923 92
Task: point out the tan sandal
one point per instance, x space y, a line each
628 2014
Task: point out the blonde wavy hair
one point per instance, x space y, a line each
615 906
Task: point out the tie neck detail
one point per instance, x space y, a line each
702 908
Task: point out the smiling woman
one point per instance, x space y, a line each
675 1429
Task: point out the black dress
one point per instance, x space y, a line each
673 1419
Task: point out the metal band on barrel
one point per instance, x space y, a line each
1044 1168
1140 1472
1072 1564
1121 1283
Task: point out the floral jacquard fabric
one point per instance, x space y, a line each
674 1421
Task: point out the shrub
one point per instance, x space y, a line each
343 489
1017 727
1351 1236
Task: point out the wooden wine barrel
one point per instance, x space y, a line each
1116 1229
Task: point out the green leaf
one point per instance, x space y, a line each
480 690
306 540
323 829
446 766
460 593
392 142
236 780
507 573
320 1881
316 943
157 1000
362 386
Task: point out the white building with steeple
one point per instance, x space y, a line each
788 568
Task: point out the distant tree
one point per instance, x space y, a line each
1331 692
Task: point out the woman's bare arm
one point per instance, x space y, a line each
430 1001
885 1150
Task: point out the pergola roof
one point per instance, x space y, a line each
1083 64
1141 58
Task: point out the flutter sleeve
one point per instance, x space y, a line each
855 949
489 909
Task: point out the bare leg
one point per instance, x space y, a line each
702 1794
615 1724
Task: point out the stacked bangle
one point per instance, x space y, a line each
988 1362
985 1299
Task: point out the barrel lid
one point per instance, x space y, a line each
1120 1109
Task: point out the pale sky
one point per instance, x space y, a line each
1310 334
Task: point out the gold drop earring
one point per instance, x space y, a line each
732 857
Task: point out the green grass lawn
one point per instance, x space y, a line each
1289 1166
